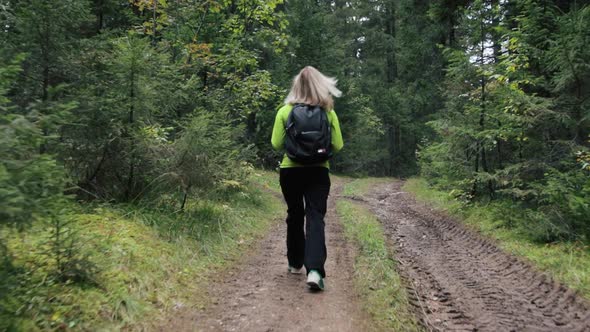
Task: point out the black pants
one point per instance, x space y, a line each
312 186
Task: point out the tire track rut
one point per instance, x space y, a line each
460 281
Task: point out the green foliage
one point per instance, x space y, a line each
364 136
29 181
564 200
204 156
516 115
32 186
131 95
48 32
64 249
569 59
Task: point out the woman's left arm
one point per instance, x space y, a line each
337 142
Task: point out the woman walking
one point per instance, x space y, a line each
307 127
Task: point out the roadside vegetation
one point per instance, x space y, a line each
268 180
383 294
133 265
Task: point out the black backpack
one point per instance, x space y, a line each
309 137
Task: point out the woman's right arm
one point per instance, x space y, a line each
278 132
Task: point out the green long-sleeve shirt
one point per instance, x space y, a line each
279 133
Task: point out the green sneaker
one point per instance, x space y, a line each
315 280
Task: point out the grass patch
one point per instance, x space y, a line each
376 279
360 186
269 180
569 262
149 261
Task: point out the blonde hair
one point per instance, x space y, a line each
313 88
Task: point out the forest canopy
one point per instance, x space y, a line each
127 101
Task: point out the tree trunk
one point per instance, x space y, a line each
391 64
45 55
154 22
131 172
99 16
184 198
497 45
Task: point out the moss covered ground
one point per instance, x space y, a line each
140 262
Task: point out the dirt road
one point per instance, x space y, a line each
457 280
461 281
260 295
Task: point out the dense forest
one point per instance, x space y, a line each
135 101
